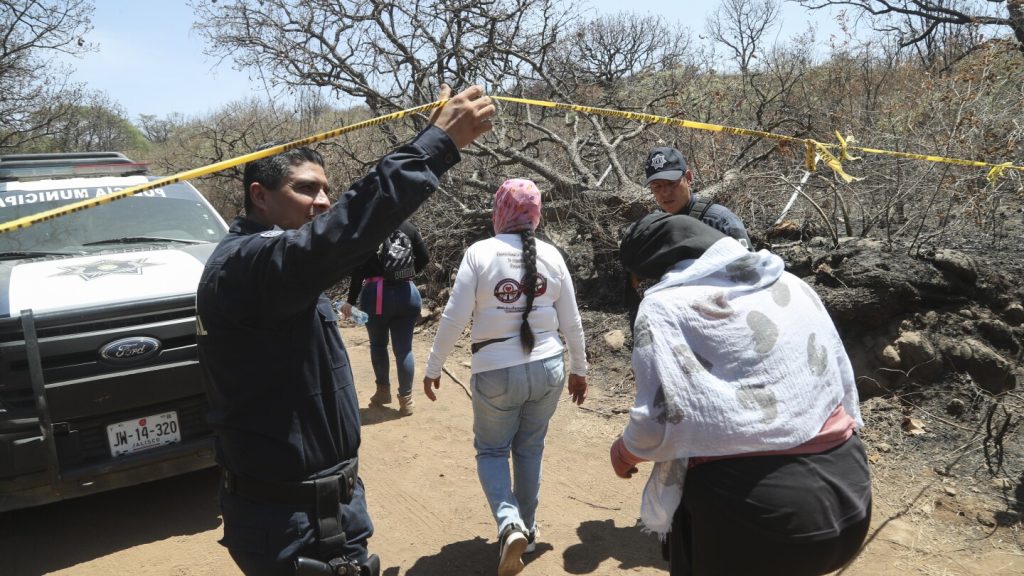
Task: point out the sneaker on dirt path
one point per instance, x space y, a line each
512 543
531 541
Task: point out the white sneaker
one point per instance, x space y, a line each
513 544
531 541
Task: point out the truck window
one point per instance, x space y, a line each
176 211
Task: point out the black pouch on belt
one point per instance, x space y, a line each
331 492
328 513
324 496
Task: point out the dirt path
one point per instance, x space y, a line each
432 520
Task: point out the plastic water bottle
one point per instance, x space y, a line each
355 314
359 317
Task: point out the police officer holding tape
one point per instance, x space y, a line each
282 399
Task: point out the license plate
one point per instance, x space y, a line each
141 434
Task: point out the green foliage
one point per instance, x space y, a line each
96 125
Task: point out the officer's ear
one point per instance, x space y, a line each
258 195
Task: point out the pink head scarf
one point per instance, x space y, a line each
516 206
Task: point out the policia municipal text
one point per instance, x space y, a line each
282 399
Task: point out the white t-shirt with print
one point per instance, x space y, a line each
488 289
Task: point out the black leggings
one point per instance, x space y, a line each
711 537
720 548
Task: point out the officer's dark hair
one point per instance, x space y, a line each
271 171
529 286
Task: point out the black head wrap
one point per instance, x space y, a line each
656 242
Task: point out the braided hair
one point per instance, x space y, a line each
529 286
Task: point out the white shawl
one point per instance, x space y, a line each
731 355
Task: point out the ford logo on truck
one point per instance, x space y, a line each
130 350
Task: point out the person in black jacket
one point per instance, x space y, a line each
282 401
384 289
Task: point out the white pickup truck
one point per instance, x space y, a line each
100 386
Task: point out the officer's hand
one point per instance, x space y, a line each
429 385
577 388
466 116
346 310
444 94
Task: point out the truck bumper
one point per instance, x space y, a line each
40 488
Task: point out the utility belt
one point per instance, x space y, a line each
323 497
304 494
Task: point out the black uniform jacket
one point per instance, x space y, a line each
282 401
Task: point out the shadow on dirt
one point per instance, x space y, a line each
476 556
95 526
376 414
601 540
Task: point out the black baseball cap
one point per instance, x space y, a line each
664 163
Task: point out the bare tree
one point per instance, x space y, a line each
379 56
159 130
235 129
390 55
741 25
920 22
35 88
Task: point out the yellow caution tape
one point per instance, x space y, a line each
997 171
844 147
810 155
649 118
810 145
834 163
26 221
812 148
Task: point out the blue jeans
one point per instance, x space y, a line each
400 311
511 410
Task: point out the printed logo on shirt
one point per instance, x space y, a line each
508 290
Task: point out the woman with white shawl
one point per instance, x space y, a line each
747 404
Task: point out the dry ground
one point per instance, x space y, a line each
432 520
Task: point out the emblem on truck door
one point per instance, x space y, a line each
130 350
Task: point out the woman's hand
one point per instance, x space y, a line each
577 388
623 461
429 385
346 310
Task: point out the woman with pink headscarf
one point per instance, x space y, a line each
518 292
